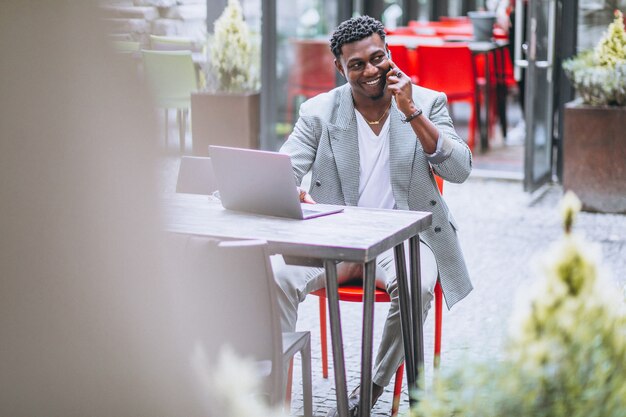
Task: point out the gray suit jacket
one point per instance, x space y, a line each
324 141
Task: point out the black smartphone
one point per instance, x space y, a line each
389 57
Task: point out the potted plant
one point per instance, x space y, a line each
594 147
227 111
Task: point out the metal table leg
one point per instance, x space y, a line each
501 91
405 315
336 338
416 305
477 108
369 285
484 127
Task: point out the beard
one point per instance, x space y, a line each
381 94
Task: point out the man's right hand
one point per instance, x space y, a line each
305 197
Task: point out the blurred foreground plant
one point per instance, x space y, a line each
233 386
566 356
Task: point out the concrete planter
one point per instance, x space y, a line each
594 156
224 119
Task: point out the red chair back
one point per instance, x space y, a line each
405 59
312 73
401 30
448 68
458 29
313 65
509 76
439 183
454 20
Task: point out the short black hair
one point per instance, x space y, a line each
353 30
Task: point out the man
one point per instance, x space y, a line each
375 142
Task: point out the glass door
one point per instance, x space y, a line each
296 62
540 109
305 63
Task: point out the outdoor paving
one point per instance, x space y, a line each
503 229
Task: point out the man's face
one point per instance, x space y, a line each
365 65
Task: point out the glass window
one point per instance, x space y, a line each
304 66
593 18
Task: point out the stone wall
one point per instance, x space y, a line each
136 20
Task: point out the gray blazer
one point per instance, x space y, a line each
324 141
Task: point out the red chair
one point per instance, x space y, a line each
481 61
312 73
500 34
405 59
454 29
401 30
509 77
500 80
354 293
422 28
450 68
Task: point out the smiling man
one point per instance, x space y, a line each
377 141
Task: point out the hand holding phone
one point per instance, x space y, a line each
400 86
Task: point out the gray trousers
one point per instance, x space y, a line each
295 282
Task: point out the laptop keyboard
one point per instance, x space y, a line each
306 212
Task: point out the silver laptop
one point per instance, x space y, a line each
260 182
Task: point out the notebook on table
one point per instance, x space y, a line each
260 182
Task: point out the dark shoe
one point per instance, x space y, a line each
354 401
353 405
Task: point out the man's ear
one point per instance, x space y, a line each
339 68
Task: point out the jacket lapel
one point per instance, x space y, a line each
345 147
402 143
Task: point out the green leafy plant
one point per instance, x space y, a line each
599 75
566 355
233 53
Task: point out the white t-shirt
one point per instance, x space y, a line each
374 177
375 186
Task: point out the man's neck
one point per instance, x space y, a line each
372 106
374 110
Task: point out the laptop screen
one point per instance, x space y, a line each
258 182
